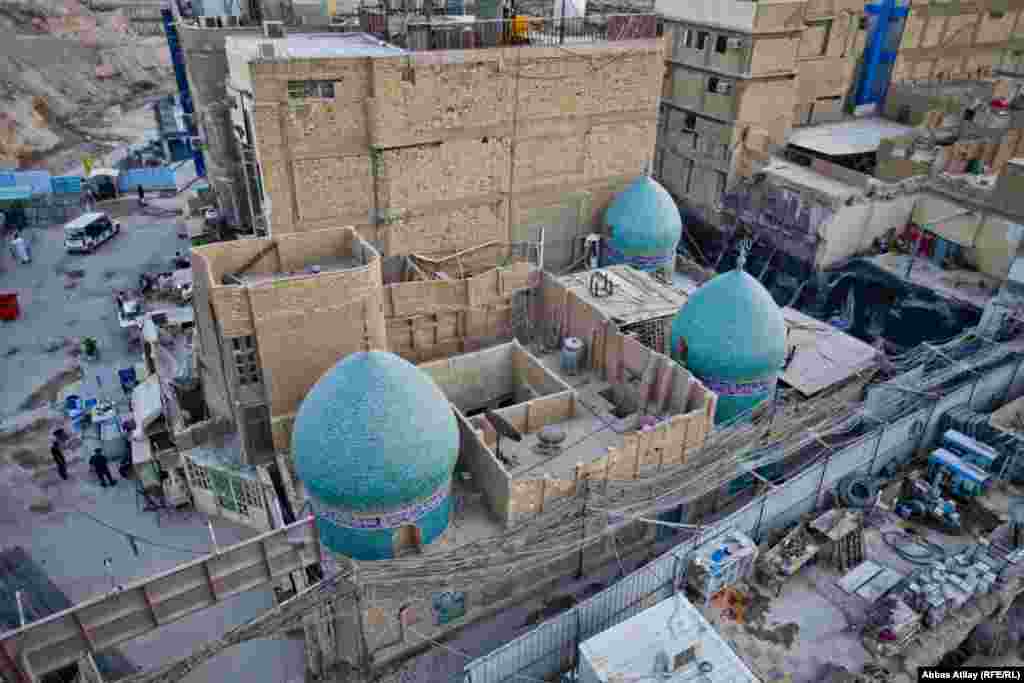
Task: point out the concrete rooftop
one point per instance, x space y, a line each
851 136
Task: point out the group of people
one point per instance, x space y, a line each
99 462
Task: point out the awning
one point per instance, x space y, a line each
146 405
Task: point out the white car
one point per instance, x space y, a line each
88 231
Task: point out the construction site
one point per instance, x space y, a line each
458 373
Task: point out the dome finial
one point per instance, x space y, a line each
741 260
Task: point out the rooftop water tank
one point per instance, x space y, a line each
644 227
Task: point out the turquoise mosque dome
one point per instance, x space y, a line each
644 226
731 334
375 443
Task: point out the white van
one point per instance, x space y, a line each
88 231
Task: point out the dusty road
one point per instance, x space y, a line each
51 312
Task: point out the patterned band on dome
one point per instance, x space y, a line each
724 387
663 260
387 520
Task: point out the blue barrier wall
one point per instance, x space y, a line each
161 178
39 181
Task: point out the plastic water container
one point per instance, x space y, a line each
72 403
572 354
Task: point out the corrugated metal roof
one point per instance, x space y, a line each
854 136
15 194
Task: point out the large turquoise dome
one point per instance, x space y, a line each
644 226
731 334
375 443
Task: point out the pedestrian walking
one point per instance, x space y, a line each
58 457
20 249
142 196
101 466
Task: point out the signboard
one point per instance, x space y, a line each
448 606
68 184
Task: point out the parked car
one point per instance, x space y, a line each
88 231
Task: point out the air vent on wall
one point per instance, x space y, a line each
273 29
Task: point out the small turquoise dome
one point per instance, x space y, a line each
644 226
375 443
731 335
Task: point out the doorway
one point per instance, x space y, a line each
408 539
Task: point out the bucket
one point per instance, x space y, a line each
572 353
72 403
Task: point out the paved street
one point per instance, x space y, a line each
66 541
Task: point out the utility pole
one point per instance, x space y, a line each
561 25
583 526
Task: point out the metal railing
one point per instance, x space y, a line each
443 33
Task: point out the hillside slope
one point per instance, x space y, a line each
62 67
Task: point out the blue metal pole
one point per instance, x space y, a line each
178 61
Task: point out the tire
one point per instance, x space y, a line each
857 491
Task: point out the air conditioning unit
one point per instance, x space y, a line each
734 43
273 29
723 87
267 51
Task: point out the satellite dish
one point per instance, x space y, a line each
503 426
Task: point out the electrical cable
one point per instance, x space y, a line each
139 538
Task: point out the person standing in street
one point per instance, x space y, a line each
101 466
20 248
58 457
142 196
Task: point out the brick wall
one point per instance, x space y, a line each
439 145
956 41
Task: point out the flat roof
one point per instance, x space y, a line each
670 626
737 15
853 136
636 295
314 45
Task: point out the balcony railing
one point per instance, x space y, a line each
445 33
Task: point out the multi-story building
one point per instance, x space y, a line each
740 75
428 151
274 315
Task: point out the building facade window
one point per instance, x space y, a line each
247 366
687 176
301 90
720 180
702 39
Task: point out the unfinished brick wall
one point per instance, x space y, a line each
318 318
956 40
435 146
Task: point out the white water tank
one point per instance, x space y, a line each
571 8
